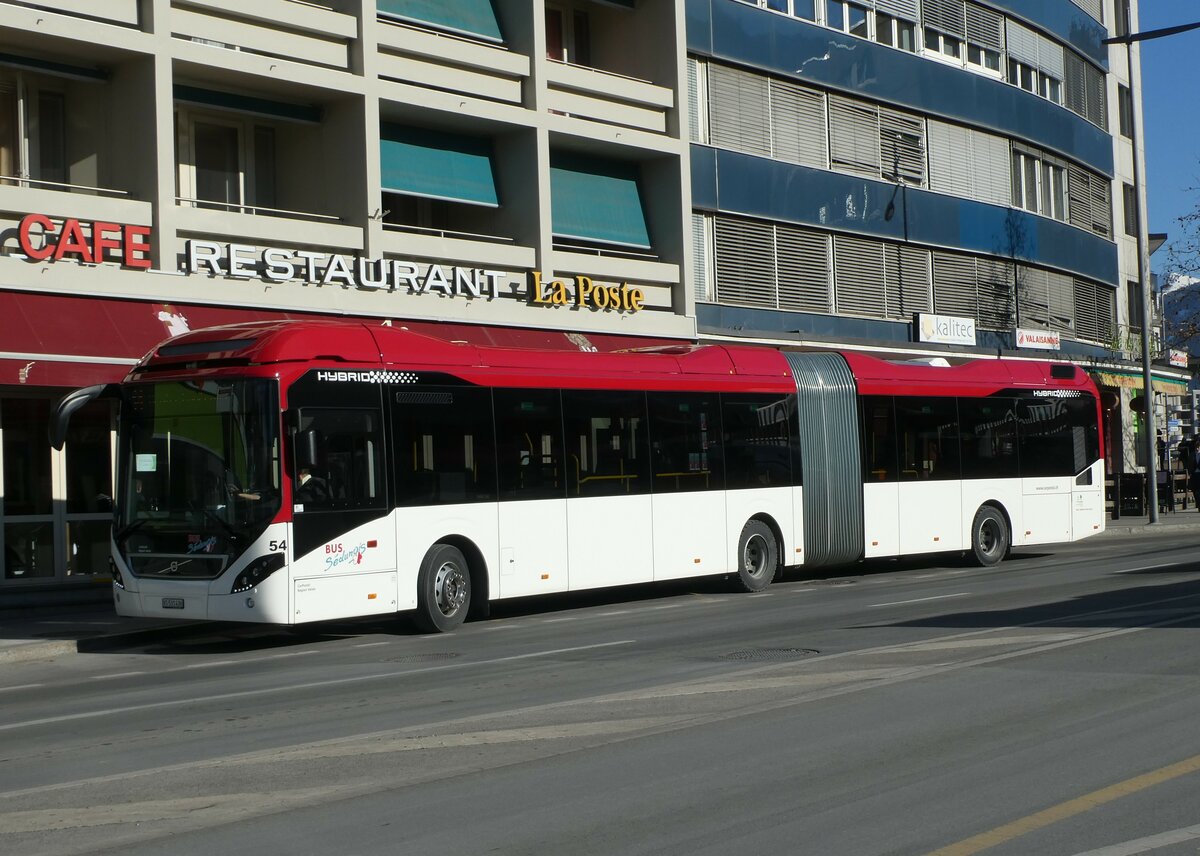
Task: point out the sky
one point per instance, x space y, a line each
1171 114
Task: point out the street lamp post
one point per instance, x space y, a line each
1151 449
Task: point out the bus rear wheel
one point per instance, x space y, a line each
443 589
757 556
990 539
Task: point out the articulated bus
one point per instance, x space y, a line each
302 471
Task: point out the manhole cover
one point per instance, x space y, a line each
432 657
770 654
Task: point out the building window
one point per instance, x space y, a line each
895 32
1050 88
1039 184
1129 196
983 58
1125 110
1022 75
568 36
33 142
848 17
1134 305
942 45
796 8
226 163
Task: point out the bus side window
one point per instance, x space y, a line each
444 446
929 442
1058 436
529 444
989 437
606 443
757 434
685 442
879 439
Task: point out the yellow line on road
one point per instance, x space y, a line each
1070 808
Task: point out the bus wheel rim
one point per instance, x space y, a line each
449 588
754 556
989 536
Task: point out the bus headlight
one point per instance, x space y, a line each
115 573
257 571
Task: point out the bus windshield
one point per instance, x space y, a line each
200 474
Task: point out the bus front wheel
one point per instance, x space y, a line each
443 589
757 555
990 539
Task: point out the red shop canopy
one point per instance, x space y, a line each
53 340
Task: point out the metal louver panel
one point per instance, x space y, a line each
1033 299
802 262
1079 197
827 405
902 145
1060 294
798 124
738 110
701 281
994 288
1097 100
954 285
1095 8
1100 191
950 167
696 114
1051 57
858 277
1022 43
1089 323
991 168
947 16
1075 83
745 262
906 274
906 9
985 27
854 136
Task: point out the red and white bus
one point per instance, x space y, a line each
301 471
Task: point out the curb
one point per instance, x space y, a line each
1151 528
22 652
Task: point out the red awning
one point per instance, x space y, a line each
52 340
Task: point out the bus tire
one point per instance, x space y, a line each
990 540
443 589
757 556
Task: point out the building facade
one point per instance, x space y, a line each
913 178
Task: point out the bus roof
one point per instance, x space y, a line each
359 345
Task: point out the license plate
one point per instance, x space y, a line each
172 603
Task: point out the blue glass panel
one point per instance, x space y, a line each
806 52
419 162
760 187
1063 19
596 200
472 17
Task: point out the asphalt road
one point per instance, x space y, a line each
1048 706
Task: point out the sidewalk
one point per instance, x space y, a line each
53 629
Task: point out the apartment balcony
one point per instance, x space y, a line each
258 225
605 96
295 31
444 61
477 250
123 12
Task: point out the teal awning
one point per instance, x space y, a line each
597 200
437 165
469 17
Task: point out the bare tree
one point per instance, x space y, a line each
1181 284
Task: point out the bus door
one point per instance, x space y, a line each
1053 452
930 494
343 549
531 470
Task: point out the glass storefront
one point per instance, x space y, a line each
56 506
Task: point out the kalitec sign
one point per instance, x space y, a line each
1042 340
945 329
92 243
239 261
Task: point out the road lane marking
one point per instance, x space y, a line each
203 665
1070 808
371 644
918 600
1150 842
50 720
1153 567
116 675
20 687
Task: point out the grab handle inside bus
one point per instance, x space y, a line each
71 402
307 446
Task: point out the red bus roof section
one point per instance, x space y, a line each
348 344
